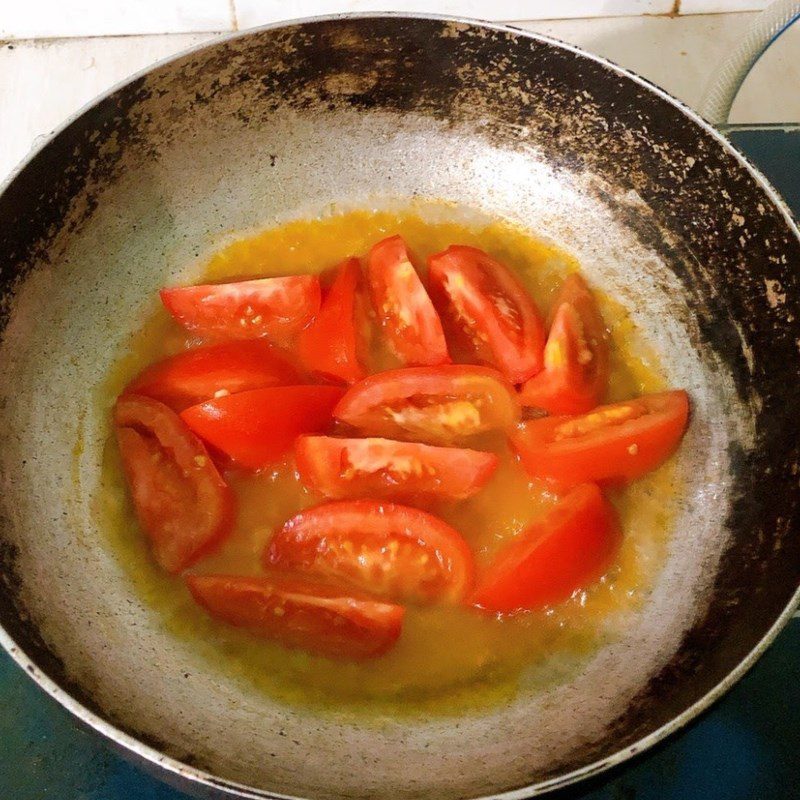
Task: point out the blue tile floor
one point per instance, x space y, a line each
747 747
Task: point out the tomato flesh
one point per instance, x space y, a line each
576 356
385 549
205 372
492 308
433 404
342 468
408 318
182 503
301 615
258 427
568 549
618 442
328 346
274 307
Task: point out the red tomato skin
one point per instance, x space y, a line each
258 427
346 468
182 503
301 615
408 317
274 307
647 432
493 307
195 375
328 346
571 547
323 543
576 355
448 380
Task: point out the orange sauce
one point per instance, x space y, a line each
448 659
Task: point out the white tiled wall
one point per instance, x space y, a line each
257 12
28 19
720 6
31 19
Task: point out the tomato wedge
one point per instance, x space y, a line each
181 501
568 549
386 468
301 615
492 307
258 427
384 549
328 346
272 307
204 372
618 442
434 404
409 320
576 356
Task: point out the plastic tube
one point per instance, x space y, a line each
725 83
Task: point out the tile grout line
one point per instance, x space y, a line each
234 19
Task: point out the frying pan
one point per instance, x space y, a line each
350 111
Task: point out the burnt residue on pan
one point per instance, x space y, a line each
674 187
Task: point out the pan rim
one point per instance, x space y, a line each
187 772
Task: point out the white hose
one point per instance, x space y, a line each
725 83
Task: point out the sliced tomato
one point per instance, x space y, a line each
576 356
410 323
492 307
435 404
568 549
618 442
385 468
219 369
258 427
301 615
384 549
182 503
328 346
272 307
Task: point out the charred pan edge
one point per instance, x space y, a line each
762 356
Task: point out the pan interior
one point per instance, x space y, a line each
148 228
